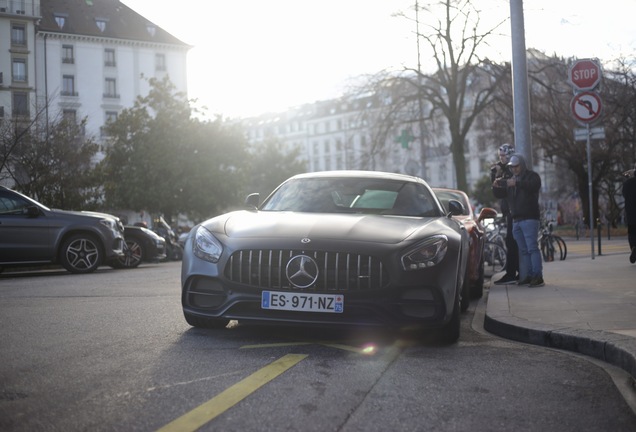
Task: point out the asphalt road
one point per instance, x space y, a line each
111 351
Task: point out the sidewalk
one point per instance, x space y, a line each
587 305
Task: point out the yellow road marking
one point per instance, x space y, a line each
278 345
222 402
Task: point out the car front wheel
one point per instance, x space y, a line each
449 334
81 253
133 255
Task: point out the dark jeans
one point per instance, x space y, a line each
512 255
631 235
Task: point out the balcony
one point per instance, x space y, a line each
20 7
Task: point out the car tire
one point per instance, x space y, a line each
477 290
134 254
81 253
465 293
208 323
449 334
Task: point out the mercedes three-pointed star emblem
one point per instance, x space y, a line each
302 271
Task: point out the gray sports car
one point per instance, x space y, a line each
340 248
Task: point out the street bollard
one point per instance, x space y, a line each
599 229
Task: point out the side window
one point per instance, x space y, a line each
11 205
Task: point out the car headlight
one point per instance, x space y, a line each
206 246
426 254
109 223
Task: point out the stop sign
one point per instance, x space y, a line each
584 74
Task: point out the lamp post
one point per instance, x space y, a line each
521 99
420 104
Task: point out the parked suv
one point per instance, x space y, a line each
32 234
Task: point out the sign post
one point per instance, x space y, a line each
584 76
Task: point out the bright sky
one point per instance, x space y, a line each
257 56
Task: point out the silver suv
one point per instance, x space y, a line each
33 234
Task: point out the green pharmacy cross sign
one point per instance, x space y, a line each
405 138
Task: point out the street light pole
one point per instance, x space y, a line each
420 113
521 99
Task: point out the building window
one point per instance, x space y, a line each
111 116
69 116
19 70
20 104
18 34
110 89
101 24
109 57
160 62
68 85
151 29
60 19
68 55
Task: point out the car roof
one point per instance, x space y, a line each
360 174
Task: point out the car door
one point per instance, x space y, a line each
24 235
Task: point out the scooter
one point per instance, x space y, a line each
174 251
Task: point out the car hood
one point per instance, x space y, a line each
353 227
85 214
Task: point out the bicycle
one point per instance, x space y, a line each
552 246
494 258
496 232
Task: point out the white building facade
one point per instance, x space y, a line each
333 135
17 61
81 59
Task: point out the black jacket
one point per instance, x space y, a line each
500 192
523 198
629 192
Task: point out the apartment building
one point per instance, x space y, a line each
81 59
341 134
18 21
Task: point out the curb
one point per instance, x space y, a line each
612 348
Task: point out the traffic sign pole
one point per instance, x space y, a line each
589 187
584 76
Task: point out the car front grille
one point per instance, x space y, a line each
338 272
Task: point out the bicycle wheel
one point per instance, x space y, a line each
494 258
547 248
561 246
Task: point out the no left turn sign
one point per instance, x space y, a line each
586 107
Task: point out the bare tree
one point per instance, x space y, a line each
553 128
454 35
452 97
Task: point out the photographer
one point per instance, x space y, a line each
499 173
629 193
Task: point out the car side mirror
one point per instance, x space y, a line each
487 213
455 208
32 211
252 201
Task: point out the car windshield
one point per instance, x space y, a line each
353 195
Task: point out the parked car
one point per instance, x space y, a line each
174 251
477 237
32 234
340 248
141 245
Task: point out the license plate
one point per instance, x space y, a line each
302 302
